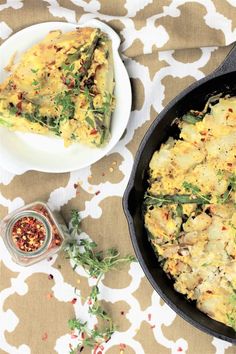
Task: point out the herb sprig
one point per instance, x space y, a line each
231 188
83 252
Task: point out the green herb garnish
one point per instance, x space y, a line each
195 190
35 82
160 200
5 123
83 252
222 199
90 122
192 118
34 71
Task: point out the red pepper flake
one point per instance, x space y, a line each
73 301
81 349
100 352
75 185
224 228
122 346
98 192
82 335
49 296
45 336
20 96
73 336
149 317
49 259
93 131
203 132
50 276
28 234
229 164
153 326
122 313
179 349
203 139
166 216
230 110
19 106
89 302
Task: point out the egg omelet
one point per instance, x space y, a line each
63 86
190 209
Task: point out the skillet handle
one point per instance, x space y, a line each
228 65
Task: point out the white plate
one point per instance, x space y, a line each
20 152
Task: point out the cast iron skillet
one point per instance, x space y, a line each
222 80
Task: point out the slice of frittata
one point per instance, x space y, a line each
63 86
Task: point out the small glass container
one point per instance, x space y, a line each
33 232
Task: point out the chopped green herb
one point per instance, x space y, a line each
231 188
179 210
160 200
5 123
70 67
34 71
90 122
195 190
191 118
12 109
35 82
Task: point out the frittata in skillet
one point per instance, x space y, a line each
63 86
190 209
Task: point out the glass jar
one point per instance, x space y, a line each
33 232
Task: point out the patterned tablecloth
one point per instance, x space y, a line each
166 45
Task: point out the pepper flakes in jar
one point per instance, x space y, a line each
33 233
28 234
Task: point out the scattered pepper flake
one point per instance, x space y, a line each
44 336
50 276
49 296
122 313
122 346
93 132
230 110
149 317
153 326
98 192
73 336
73 301
75 185
179 349
224 228
49 259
